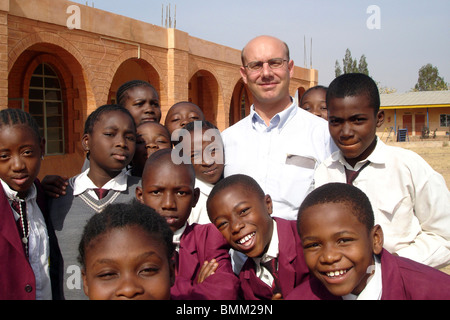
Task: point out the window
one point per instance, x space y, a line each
242 105
46 106
444 120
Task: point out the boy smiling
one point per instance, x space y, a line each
241 211
343 249
410 200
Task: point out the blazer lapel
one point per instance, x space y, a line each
187 250
287 256
8 227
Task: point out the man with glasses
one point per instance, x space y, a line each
278 143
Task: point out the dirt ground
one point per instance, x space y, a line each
437 154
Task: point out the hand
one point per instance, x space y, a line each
277 296
54 185
208 268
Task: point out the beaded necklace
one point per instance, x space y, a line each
23 219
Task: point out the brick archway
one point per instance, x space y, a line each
204 92
149 66
240 103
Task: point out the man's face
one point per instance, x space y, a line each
268 86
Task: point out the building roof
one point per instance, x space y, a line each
420 99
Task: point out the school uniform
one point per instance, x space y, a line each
18 272
410 200
401 279
292 269
196 244
70 213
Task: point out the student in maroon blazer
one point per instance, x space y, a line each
202 263
16 277
26 241
241 211
343 250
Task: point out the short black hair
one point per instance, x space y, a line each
318 87
121 215
343 193
248 182
204 125
11 117
122 92
354 84
95 116
164 157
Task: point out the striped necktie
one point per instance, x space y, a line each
271 265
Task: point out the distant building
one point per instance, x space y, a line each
60 60
416 111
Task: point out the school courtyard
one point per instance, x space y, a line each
60 60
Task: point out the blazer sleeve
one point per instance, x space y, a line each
209 244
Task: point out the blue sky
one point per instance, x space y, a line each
412 34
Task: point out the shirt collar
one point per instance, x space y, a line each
377 156
278 121
177 236
12 194
272 250
83 183
374 286
204 187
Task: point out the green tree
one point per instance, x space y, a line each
350 65
363 66
337 69
429 79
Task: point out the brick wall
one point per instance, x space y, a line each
92 62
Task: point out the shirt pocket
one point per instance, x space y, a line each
297 174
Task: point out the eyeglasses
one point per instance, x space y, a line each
274 63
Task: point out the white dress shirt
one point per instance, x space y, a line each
374 286
411 201
177 237
199 214
38 243
271 253
281 157
82 182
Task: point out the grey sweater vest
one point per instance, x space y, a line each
69 215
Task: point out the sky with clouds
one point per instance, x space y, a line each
411 33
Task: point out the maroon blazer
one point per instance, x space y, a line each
200 243
17 281
402 279
292 269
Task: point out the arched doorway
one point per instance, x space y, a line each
240 103
134 69
204 92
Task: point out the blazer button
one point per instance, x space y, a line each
28 288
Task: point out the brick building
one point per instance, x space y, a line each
60 60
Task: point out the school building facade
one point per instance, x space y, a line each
60 60
423 114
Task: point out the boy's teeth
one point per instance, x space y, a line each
246 238
336 273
